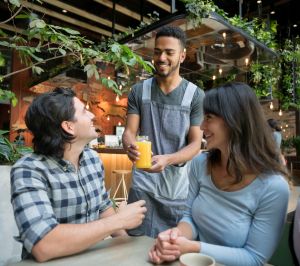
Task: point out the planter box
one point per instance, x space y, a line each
10 249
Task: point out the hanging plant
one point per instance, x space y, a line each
290 84
60 42
197 10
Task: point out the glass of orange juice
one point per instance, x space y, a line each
145 152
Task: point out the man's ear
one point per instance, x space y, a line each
68 126
183 55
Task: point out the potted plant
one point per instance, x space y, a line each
296 144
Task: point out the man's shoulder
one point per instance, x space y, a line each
29 159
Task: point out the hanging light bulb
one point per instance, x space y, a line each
246 61
214 77
280 113
271 106
108 118
117 98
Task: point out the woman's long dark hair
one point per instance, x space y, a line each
251 147
44 117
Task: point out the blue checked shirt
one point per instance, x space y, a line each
47 191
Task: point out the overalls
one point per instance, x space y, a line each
167 127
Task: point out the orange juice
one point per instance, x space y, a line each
145 154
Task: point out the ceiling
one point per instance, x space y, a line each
98 19
103 18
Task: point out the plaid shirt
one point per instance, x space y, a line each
47 191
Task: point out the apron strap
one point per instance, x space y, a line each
188 95
147 89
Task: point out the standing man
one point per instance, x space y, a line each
59 199
167 109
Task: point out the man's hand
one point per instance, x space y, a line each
159 162
132 152
132 215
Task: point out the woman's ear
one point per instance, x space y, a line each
68 126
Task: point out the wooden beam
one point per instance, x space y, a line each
122 10
84 14
160 4
12 28
66 18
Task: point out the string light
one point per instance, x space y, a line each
120 87
214 77
119 124
220 71
117 98
280 113
87 107
271 106
247 61
224 35
108 77
108 118
259 1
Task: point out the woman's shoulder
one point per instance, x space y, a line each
201 157
275 182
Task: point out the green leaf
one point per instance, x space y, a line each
2 61
70 31
62 51
37 70
14 101
15 2
23 16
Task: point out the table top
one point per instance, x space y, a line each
119 251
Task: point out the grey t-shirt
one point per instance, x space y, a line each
173 98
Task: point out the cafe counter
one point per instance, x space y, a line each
114 159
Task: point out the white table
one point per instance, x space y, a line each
120 251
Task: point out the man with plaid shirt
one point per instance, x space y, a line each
60 203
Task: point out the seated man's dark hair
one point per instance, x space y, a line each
44 117
171 31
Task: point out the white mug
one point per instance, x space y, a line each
196 259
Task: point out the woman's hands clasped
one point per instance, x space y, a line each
169 245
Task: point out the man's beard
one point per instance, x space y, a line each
172 69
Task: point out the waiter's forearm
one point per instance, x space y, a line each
185 154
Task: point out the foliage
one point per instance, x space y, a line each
9 152
281 76
257 28
264 78
290 84
197 10
293 142
58 42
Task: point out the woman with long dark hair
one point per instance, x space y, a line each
238 193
